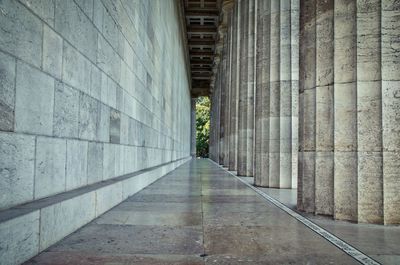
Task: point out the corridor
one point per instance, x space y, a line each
197 214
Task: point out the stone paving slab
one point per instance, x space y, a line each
174 224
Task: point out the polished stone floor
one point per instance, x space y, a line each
197 214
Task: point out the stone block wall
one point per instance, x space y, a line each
94 106
90 90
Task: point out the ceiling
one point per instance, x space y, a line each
201 25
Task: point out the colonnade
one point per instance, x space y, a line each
307 95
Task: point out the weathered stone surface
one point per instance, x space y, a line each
108 161
34 101
103 130
43 8
89 111
115 126
19 239
66 111
95 162
7 92
108 197
68 18
345 185
61 219
76 68
50 166
21 32
95 83
52 52
17 162
86 6
370 187
107 59
76 169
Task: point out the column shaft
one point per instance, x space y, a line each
243 91
390 62
234 95
349 127
261 172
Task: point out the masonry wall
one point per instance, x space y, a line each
89 91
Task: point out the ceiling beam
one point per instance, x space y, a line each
201 29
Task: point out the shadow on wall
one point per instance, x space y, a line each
202 126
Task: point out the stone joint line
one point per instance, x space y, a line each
337 242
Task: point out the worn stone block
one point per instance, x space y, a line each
391 186
107 59
112 88
86 6
124 129
68 18
66 111
52 52
76 170
95 83
7 92
17 162
76 68
285 170
369 116
345 45
390 115
50 166
307 181
43 8
345 185
324 182
108 161
370 187
110 30
103 130
115 126
345 115
324 118
107 197
34 101
98 14
19 239
61 219
390 25
21 32
95 162
89 111
308 122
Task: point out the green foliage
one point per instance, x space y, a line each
202 126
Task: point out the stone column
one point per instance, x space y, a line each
246 91
217 119
262 108
276 101
222 106
294 28
243 93
390 63
306 167
227 12
193 128
344 101
234 95
251 88
274 138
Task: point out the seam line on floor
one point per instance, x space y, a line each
337 242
